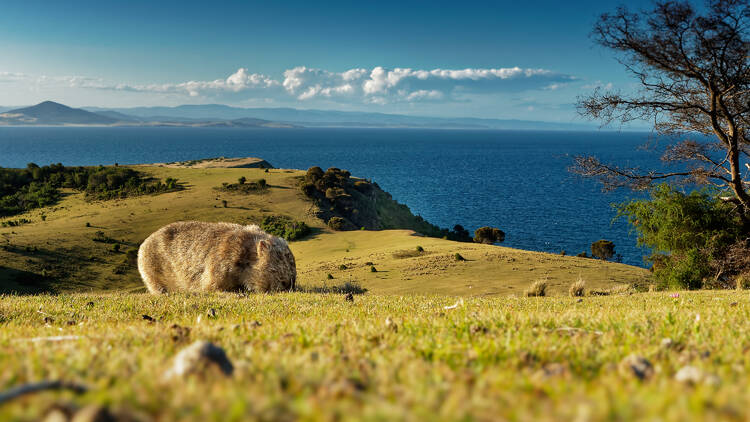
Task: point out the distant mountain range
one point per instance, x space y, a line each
51 113
217 115
334 118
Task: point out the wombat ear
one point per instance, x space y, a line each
263 247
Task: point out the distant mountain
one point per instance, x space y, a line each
333 118
217 115
52 113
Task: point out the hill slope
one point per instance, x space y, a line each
64 251
52 113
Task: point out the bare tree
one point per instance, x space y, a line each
693 66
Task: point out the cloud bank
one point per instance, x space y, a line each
378 85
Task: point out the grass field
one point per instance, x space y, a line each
58 254
424 337
319 357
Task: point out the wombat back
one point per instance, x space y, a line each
199 256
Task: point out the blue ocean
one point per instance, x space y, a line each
514 180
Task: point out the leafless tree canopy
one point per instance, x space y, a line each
694 74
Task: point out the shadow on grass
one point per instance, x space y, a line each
19 282
343 289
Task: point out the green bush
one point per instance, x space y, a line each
35 187
603 249
284 227
259 186
691 235
489 235
339 224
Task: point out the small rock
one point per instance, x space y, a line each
349 297
179 333
689 375
551 370
637 366
58 413
478 329
199 358
389 324
211 313
93 413
692 375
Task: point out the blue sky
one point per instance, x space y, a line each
523 60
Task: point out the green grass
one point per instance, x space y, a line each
320 357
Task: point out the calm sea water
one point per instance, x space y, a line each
514 180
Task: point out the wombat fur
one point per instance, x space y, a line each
196 256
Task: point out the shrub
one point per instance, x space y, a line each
578 288
313 174
458 257
343 267
330 276
582 255
488 235
603 249
420 249
224 203
537 289
373 269
742 281
692 236
259 186
339 224
284 227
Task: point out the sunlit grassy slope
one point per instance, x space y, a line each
59 254
320 357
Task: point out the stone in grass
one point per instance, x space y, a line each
636 366
199 358
692 375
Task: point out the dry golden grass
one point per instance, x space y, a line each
577 289
62 245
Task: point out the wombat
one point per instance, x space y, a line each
198 256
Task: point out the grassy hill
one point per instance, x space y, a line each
69 247
301 356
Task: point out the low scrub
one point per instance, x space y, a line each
537 289
35 187
242 186
578 288
284 227
489 235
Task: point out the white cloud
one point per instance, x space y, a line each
378 85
